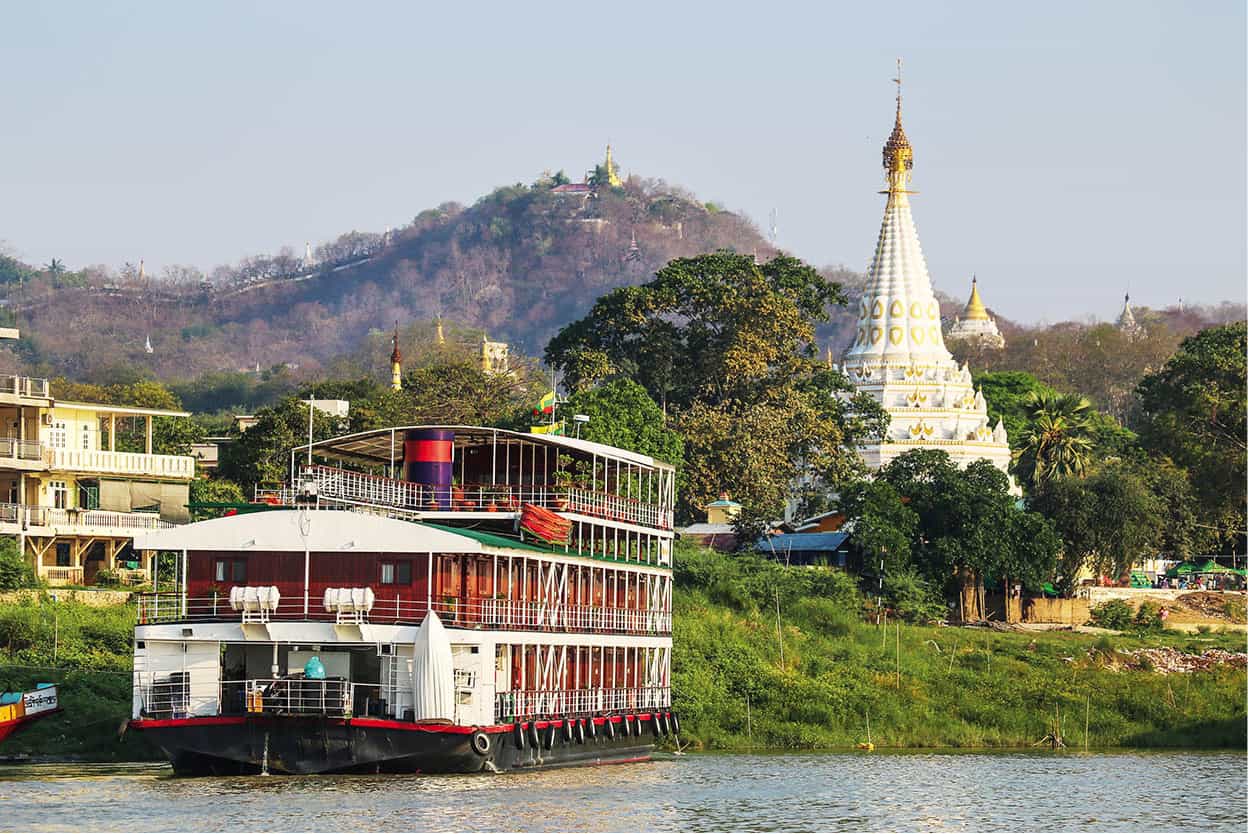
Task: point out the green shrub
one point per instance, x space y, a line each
107 577
1203 628
14 571
1147 617
913 598
1235 609
1113 613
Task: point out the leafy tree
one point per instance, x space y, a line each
621 414
1106 522
460 392
1007 394
1056 443
725 344
261 454
1193 412
214 491
969 526
883 526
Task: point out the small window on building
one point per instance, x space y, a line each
62 555
396 573
86 437
60 494
220 570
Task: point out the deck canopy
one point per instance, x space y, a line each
385 446
320 531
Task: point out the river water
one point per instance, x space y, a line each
804 792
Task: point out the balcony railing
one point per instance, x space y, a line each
372 490
123 463
509 706
501 614
28 450
35 516
66 576
24 386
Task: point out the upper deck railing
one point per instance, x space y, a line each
474 612
27 450
372 490
35 516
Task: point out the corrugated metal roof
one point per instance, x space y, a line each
803 542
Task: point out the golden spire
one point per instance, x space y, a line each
613 179
975 310
441 337
396 360
898 155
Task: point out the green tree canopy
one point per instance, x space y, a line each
1057 439
725 346
1193 412
621 414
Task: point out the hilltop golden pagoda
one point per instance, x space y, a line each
975 325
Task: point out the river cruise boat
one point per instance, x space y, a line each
418 599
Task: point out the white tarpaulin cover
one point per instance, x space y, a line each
433 672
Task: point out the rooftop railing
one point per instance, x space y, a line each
475 613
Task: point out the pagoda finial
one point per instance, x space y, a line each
613 178
898 155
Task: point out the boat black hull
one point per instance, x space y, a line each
311 745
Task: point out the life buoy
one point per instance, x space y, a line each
535 736
675 724
609 726
592 729
657 724
518 733
551 734
480 743
580 731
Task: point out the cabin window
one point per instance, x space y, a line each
230 570
396 573
60 494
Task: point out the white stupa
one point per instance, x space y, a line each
1131 328
899 355
975 325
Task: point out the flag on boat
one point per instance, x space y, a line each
547 404
554 428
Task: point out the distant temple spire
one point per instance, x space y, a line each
1126 320
396 362
613 178
976 325
440 335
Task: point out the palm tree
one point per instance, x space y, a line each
1057 442
55 267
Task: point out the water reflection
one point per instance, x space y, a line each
880 791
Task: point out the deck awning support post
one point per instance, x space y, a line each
182 582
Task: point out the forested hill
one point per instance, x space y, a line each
519 264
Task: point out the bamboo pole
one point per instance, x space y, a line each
1087 708
898 655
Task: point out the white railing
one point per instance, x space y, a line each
358 488
30 515
24 386
11 447
474 613
123 463
290 696
573 702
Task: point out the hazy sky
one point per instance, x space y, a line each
1065 152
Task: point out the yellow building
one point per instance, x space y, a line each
69 495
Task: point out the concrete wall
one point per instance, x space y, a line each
1066 611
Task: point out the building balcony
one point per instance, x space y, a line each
17 388
180 467
22 454
37 520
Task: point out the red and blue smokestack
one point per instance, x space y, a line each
427 460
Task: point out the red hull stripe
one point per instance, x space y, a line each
427 451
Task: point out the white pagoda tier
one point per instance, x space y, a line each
899 355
